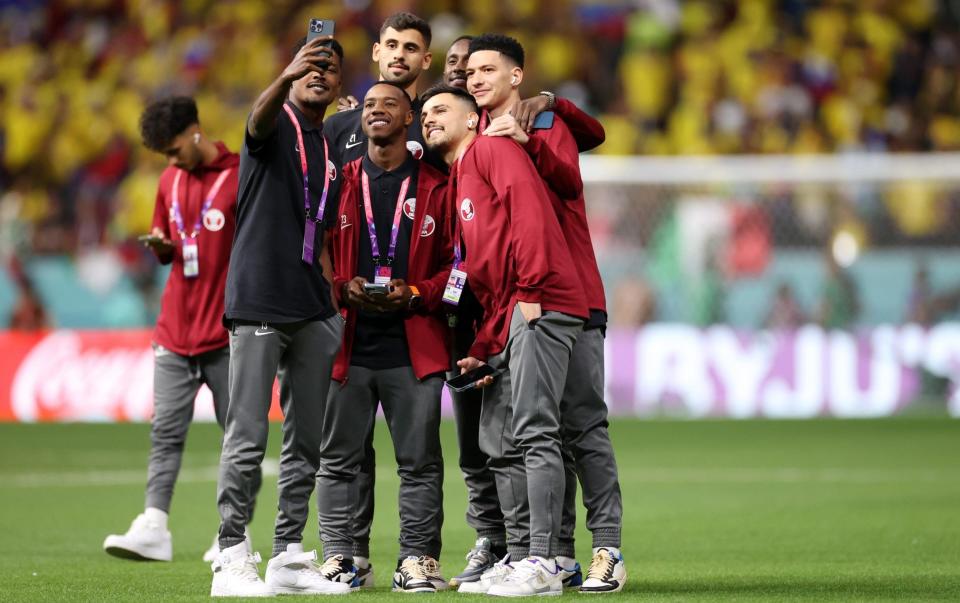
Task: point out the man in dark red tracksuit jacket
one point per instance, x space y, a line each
495 71
193 225
519 267
395 228
483 505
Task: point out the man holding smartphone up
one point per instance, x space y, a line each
494 73
281 317
193 225
393 254
516 260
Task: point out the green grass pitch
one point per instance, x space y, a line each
715 510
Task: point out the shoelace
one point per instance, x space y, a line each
431 567
414 568
247 570
477 557
601 566
332 566
524 570
499 569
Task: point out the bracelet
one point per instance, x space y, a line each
551 99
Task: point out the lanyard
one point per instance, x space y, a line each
371 228
303 167
178 217
457 227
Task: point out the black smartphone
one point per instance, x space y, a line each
469 379
543 121
320 27
375 290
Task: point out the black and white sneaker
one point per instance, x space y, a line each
364 577
338 569
479 559
410 577
607 573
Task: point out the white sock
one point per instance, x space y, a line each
361 562
294 547
156 516
566 562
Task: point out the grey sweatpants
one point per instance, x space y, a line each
583 418
303 353
412 410
520 429
176 381
483 506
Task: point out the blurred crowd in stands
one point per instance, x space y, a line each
664 76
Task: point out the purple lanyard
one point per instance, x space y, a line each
178 216
310 225
371 228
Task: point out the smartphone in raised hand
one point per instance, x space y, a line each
320 27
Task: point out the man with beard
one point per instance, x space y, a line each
494 74
281 317
395 230
518 266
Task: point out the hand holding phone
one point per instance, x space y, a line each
156 241
480 376
320 27
375 290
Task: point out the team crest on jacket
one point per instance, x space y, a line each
343 221
466 210
429 226
410 207
415 148
331 170
214 220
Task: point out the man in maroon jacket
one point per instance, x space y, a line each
519 267
394 231
193 225
494 73
483 505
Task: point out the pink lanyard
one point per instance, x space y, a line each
178 216
371 228
310 224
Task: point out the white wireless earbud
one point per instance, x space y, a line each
469 123
196 138
513 80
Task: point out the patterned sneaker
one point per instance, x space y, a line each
570 573
235 574
296 572
338 569
607 574
479 560
532 576
364 577
431 569
146 540
410 578
490 578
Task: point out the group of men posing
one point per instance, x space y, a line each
474 220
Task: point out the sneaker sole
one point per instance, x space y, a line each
422 589
590 591
123 553
216 592
286 590
549 593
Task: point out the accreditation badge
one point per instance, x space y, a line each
382 274
191 258
455 285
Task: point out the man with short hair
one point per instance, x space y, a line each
282 318
516 261
494 74
395 231
193 225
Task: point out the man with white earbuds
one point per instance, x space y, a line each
193 226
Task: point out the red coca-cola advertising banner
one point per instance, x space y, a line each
84 376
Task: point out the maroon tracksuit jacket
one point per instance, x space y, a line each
428 267
515 248
191 309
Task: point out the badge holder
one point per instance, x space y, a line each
191 258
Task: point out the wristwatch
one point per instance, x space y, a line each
415 299
551 99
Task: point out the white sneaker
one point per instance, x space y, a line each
235 574
296 572
490 578
211 555
145 540
607 573
532 576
